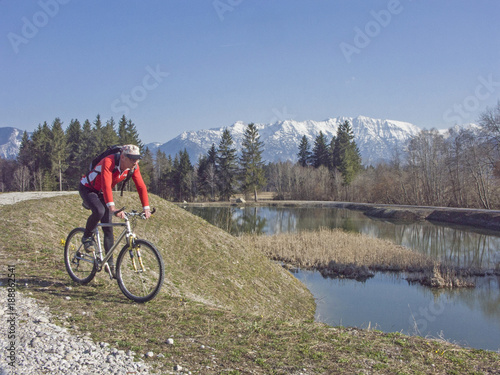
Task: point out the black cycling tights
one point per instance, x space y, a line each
100 212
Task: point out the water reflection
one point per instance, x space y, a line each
468 317
462 246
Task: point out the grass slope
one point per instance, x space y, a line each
228 309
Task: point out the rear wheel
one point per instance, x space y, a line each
140 271
79 264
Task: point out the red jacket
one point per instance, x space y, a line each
105 176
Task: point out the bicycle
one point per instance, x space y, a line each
139 266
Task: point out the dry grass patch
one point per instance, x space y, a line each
337 253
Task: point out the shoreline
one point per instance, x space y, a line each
477 218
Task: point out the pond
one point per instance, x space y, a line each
468 317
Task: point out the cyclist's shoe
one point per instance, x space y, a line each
111 268
88 244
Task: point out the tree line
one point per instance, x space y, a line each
461 169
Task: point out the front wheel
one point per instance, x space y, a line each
79 264
140 271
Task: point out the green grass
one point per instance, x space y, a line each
227 307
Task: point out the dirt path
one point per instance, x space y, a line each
14 197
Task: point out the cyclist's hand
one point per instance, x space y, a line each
147 213
119 213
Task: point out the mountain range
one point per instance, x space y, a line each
377 139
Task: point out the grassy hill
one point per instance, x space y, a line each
227 307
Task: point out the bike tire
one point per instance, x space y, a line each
137 283
80 265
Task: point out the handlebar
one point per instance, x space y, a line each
133 213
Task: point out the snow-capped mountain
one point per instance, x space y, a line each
376 139
10 141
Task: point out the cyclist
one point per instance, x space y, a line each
96 191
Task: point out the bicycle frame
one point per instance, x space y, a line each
127 231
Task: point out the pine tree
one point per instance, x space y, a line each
181 171
42 164
320 154
162 169
74 155
127 133
252 177
97 134
346 157
331 151
58 152
147 167
25 158
89 148
122 130
210 172
226 166
200 175
304 154
108 134
133 135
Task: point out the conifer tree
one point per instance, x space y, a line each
304 154
181 176
58 152
226 166
210 172
147 167
320 154
331 151
122 130
346 157
252 177
41 157
127 133
162 169
74 155
109 134
97 135
25 157
89 147
200 175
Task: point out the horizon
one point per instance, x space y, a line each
263 124
184 66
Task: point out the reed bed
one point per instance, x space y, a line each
337 253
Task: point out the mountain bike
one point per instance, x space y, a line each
139 266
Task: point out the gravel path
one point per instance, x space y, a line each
14 197
34 345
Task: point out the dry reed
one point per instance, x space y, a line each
352 255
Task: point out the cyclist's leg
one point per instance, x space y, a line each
108 231
92 199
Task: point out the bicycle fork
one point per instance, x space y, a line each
131 247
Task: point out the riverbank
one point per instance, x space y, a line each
486 219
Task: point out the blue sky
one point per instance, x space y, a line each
176 65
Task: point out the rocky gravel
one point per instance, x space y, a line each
31 344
